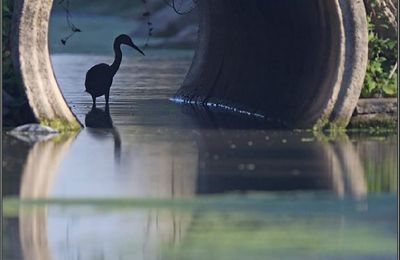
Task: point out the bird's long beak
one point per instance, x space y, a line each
136 48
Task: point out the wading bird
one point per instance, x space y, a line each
100 77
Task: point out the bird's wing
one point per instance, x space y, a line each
96 74
98 69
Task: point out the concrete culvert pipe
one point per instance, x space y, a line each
31 59
296 61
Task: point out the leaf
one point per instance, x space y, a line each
371 86
390 89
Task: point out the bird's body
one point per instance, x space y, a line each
99 78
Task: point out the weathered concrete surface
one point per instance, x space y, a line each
301 62
375 113
376 106
31 58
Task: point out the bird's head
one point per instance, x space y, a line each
125 39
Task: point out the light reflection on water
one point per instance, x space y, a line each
341 203
148 163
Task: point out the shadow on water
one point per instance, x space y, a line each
99 118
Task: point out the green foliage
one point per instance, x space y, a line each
381 76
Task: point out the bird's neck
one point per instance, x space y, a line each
118 58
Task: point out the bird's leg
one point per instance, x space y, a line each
94 101
107 96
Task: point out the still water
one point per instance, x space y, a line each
150 179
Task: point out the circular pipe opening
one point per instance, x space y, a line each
299 62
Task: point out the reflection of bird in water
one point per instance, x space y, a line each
103 124
99 78
98 118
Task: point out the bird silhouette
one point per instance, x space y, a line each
100 77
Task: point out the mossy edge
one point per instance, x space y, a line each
60 125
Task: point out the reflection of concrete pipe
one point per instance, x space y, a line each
37 180
41 167
157 170
347 171
33 233
90 232
274 165
145 168
336 172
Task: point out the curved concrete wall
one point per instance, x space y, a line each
31 58
300 62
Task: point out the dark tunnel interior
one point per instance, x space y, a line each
274 58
